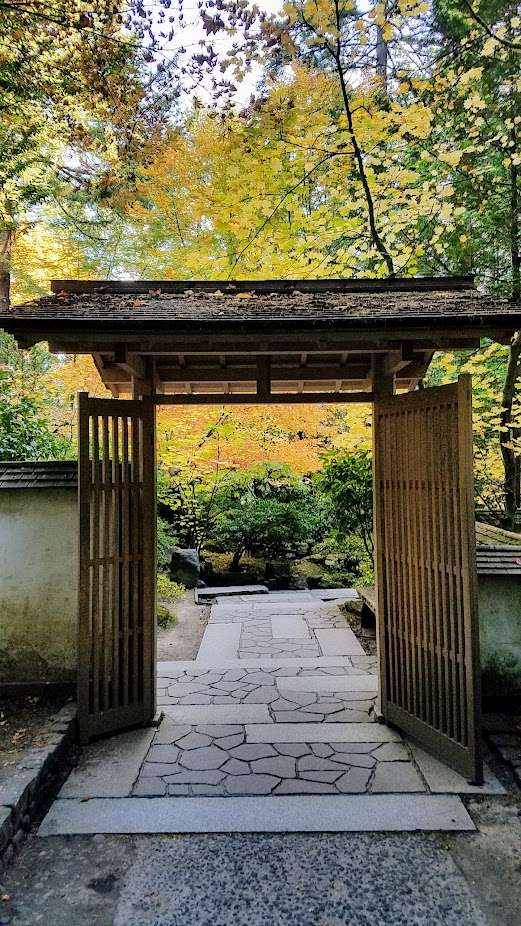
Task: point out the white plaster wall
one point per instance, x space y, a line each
500 629
38 584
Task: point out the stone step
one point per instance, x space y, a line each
289 626
307 814
443 780
320 733
334 594
204 595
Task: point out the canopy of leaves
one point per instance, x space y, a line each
381 138
347 480
266 507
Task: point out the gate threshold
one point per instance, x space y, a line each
375 813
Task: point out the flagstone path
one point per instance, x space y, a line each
271 728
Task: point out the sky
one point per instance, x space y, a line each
190 35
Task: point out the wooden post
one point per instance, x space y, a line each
264 375
383 387
144 385
149 479
84 514
144 388
383 382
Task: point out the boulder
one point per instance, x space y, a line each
163 564
185 567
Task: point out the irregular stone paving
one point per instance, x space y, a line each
295 734
204 759
259 686
218 760
258 619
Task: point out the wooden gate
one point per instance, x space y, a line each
426 572
117 608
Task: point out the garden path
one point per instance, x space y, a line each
271 728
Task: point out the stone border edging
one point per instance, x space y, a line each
22 796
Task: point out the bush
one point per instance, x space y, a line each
166 539
168 590
165 618
171 592
271 507
353 564
347 482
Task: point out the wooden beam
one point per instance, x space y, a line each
112 373
396 360
290 398
130 362
396 285
163 343
250 373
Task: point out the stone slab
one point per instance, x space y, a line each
287 626
443 780
338 642
109 767
327 683
306 814
320 733
197 714
202 595
220 641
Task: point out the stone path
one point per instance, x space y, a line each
274 722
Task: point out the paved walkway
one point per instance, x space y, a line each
271 728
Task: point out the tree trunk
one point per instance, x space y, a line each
6 243
381 58
507 432
234 566
510 462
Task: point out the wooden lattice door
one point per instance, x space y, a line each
426 571
117 608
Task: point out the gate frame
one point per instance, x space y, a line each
383 388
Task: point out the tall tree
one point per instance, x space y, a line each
79 102
476 90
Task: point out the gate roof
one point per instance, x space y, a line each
259 337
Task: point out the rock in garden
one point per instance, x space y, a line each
185 567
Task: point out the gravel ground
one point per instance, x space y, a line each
274 880
182 641
295 880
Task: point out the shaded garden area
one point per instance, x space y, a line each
269 524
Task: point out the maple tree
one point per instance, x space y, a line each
79 104
476 92
381 139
